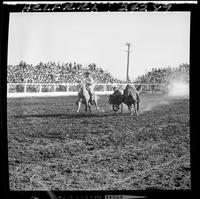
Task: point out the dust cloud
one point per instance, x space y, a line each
178 89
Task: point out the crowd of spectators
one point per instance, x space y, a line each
56 73
52 72
165 75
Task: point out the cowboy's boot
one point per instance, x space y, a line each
91 98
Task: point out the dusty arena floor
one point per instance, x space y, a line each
52 147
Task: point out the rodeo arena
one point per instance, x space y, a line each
132 135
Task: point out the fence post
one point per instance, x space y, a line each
54 88
25 88
40 88
104 87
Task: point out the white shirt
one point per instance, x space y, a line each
88 81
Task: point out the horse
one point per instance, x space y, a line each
84 97
131 98
116 99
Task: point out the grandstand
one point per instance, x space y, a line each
55 73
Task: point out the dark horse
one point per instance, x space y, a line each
132 99
84 97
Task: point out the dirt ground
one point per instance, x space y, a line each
50 146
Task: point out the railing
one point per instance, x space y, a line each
55 89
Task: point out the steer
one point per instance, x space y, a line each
116 99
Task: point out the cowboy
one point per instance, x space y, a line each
89 83
137 92
116 91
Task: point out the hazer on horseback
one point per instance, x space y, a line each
86 94
89 83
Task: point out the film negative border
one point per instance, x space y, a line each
99 7
96 7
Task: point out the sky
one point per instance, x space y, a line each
158 39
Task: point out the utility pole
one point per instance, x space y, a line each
128 52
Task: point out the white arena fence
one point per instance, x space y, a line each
66 89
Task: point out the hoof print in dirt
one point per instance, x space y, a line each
67 170
120 169
90 148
